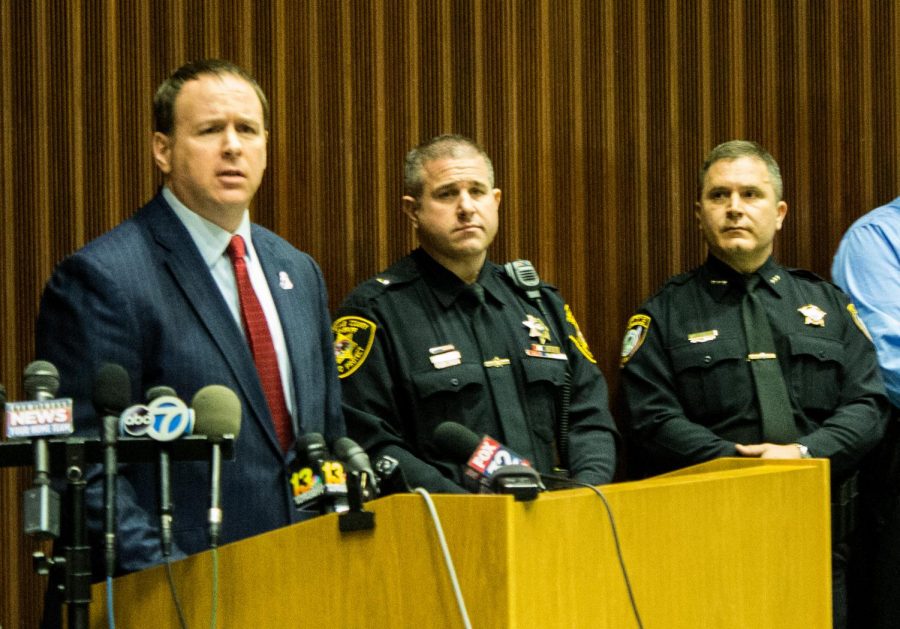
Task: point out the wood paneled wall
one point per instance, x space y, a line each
597 114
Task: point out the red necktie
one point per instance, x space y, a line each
261 344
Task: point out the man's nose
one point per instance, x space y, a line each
466 203
734 203
231 141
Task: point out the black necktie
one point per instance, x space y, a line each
771 392
500 377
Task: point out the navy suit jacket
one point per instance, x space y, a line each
142 296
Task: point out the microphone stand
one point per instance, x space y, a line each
355 518
75 454
78 553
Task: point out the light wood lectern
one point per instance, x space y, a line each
732 543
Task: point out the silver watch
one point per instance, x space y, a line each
804 451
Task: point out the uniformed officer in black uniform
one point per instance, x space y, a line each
697 354
446 335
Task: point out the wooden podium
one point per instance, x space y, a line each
732 543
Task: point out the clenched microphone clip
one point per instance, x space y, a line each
520 481
356 518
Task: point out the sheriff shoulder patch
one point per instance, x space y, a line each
353 338
855 316
578 338
634 336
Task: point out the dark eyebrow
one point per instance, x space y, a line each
446 187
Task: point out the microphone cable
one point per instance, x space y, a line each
110 616
448 560
173 590
561 480
215 588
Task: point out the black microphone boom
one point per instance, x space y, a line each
111 395
165 480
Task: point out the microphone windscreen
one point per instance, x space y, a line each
455 441
159 391
217 410
112 389
311 446
345 448
40 376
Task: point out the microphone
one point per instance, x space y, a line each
218 412
358 464
319 483
111 395
41 502
170 418
490 466
391 479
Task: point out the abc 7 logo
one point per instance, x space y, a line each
164 419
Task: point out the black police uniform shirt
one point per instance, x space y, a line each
686 379
414 349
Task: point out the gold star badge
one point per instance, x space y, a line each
537 329
813 315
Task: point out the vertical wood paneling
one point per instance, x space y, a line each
597 115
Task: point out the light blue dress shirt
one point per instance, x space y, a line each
867 267
212 241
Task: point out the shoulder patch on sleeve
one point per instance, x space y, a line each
353 338
851 308
578 338
636 332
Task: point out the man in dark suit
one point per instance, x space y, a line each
162 295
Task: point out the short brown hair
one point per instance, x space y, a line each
164 100
449 145
735 149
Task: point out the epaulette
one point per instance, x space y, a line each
809 275
676 280
813 277
397 275
681 278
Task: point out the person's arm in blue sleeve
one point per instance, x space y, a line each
867 267
85 320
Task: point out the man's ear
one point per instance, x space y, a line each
162 152
410 208
781 210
